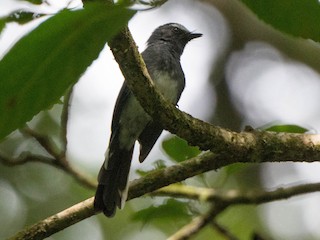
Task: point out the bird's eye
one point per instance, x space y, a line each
176 29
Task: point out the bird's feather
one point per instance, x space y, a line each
113 178
148 138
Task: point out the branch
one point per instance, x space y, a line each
64 119
46 142
223 200
24 158
57 222
233 197
161 178
253 146
59 159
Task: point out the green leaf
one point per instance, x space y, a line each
296 17
171 210
287 128
22 16
178 149
2 24
36 2
42 65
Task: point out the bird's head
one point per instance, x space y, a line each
173 33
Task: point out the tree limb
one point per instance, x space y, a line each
158 179
233 197
253 146
57 222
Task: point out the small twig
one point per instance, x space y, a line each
77 174
26 157
59 158
223 231
64 119
46 142
197 223
236 197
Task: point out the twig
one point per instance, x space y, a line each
64 119
197 223
79 176
59 158
223 231
26 157
46 142
236 197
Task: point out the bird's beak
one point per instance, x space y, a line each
194 35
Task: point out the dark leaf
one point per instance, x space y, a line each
170 210
22 16
2 24
295 17
42 65
36 2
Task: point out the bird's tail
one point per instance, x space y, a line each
113 181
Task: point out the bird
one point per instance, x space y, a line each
130 123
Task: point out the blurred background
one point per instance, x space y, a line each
234 77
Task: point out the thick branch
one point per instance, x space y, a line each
254 146
57 222
156 180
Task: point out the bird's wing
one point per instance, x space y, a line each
122 100
113 176
148 138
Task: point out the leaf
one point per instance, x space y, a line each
178 149
36 2
295 17
2 24
42 65
287 128
22 16
171 210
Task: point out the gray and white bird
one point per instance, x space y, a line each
131 123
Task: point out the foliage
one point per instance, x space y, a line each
178 149
290 16
42 65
